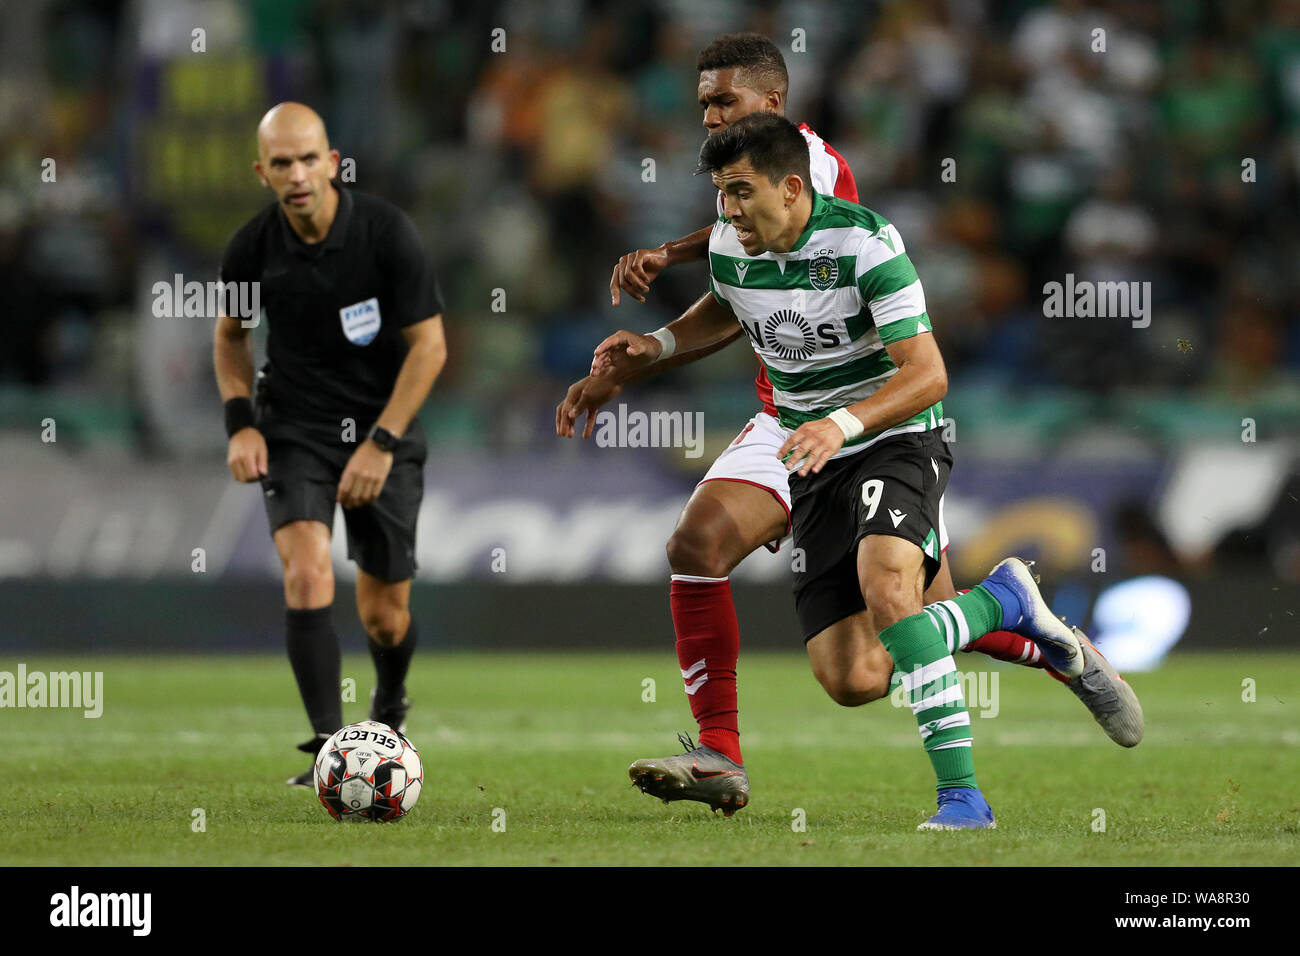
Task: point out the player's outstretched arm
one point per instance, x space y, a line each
367 470
683 356
232 359
680 358
921 380
706 323
636 270
587 395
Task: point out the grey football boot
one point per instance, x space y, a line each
1108 697
700 774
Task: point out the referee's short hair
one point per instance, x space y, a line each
752 53
773 144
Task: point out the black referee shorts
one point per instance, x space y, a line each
304 466
892 488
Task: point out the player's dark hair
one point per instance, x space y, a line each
752 53
773 144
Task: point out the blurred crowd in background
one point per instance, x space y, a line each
1164 149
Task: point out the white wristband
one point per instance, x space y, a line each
669 342
848 422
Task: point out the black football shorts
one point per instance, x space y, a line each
892 488
304 467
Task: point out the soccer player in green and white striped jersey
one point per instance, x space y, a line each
833 307
743 501
804 312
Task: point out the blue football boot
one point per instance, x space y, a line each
1058 643
961 808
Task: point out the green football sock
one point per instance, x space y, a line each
965 618
929 674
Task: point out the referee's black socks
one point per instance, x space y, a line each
314 655
391 665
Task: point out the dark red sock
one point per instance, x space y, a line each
708 647
1008 646
1014 649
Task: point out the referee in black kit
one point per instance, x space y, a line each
355 342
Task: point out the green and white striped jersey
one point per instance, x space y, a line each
820 315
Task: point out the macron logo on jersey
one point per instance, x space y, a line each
883 235
741 269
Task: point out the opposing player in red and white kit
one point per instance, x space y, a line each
743 502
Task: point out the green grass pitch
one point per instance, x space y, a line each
547 738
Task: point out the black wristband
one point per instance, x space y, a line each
239 415
385 439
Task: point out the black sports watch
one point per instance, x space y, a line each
384 438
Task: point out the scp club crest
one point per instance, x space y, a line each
822 273
787 333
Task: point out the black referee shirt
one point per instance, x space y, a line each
335 310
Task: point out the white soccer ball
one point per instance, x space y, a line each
368 771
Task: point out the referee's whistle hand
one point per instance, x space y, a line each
246 455
363 478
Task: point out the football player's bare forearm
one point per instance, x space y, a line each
692 248
682 358
912 389
414 381
232 359
706 323
706 327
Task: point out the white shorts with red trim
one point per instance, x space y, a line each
751 459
